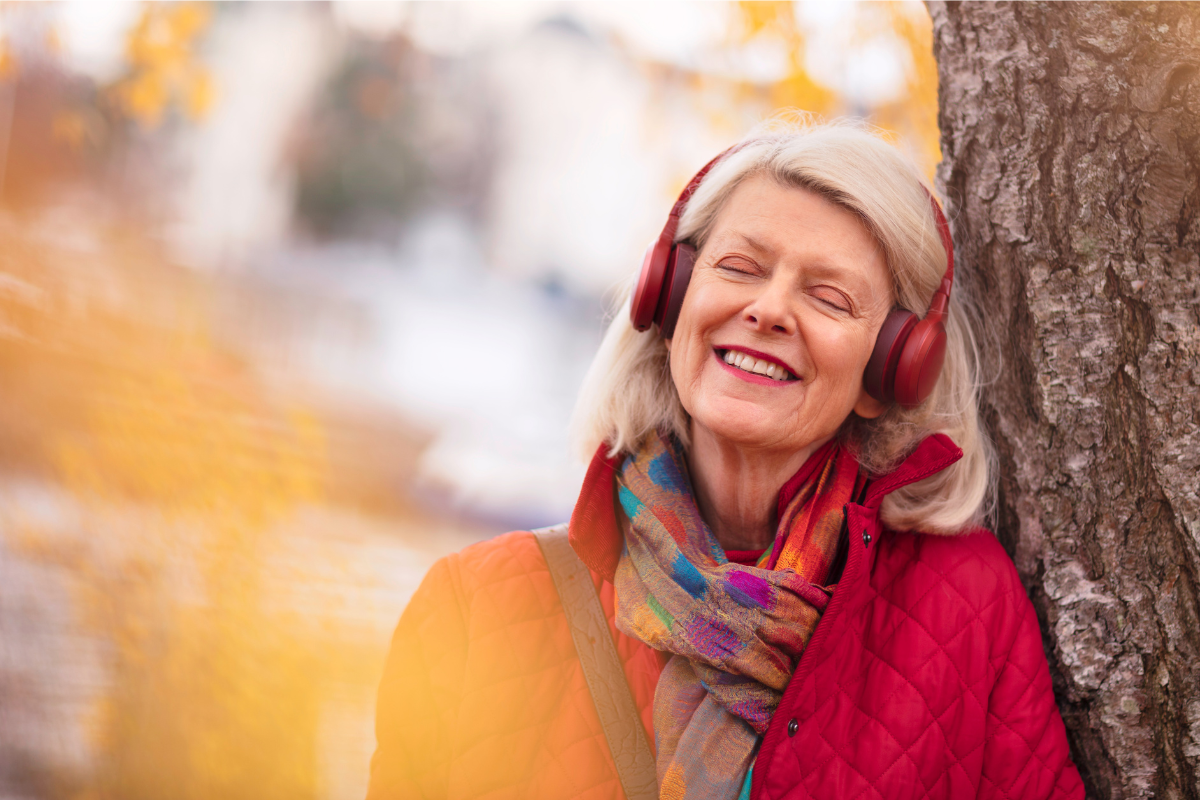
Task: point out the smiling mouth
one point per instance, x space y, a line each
755 366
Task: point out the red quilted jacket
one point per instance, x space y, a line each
925 676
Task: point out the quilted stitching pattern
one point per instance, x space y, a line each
932 684
482 694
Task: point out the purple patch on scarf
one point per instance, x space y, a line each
749 590
712 639
753 712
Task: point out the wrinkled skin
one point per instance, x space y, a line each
787 274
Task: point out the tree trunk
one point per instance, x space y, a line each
1071 138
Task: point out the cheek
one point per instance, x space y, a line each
708 303
685 367
843 355
688 348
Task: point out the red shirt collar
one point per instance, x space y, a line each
594 532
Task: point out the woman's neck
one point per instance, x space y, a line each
737 488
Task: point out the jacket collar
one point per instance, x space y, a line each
932 455
596 536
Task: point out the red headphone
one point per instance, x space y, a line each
909 351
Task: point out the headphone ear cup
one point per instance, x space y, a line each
679 275
920 363
880 374
648 295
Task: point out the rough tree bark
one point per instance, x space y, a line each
1071 137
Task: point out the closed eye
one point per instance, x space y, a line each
738 267
833 299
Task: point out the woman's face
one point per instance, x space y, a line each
779 320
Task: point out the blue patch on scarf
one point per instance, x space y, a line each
664 472
744 794
687 576
629 502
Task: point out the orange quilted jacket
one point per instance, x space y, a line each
483 695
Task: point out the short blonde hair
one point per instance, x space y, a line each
628 392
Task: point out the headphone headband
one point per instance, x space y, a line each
941 298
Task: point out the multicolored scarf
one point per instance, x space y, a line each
736 632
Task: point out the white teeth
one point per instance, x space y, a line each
755 366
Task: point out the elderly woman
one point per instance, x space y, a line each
787 592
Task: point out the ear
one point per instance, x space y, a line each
867 406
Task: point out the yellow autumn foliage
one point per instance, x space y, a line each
215 695
912 117
8 61
185 471
776 20
164 70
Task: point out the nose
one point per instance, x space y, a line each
771 311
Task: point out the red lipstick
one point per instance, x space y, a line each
759 356
719 355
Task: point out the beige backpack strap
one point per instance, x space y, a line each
601 666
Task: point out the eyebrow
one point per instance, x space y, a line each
822 266
753 243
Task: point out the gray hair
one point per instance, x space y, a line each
628 392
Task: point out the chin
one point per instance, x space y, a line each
743 423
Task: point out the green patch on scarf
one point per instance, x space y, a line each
660 612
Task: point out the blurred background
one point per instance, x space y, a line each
295 299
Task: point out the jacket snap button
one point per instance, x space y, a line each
867 539
793 726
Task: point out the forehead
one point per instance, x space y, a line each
779 223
